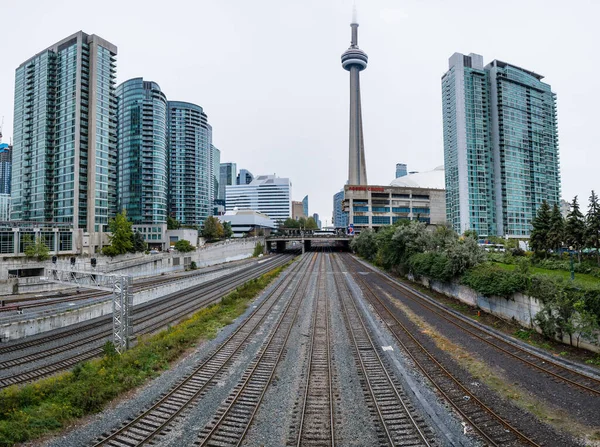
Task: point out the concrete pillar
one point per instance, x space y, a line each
306 246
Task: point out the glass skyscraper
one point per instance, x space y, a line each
340 218
500 146
64 152
190 163
5 168
142 151
227 177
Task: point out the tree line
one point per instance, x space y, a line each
551 232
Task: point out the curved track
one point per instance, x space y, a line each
147 318
544 364
492 427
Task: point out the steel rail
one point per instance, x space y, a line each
368 379
396 324
212 371
189 305
263 377
319 324
471 329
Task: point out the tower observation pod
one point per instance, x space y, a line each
355 60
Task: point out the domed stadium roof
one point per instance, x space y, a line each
428 179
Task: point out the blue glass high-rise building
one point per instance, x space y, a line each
142 148
190 163
64 152
500 146
5 168
340 218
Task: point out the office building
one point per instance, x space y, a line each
245 177
266 194
227 176
500 146
218 202
355 60
340 218
401 170
190 163
317 220
305 206
142 151
297 210
64 151
5 168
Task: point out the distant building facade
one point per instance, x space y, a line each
142 147
5 168
376 206
245 177
266 194
297 210
244 222
65 136
227 177
4 207
317 220
340 217
401 170
218 202
190 163
500 146
305 206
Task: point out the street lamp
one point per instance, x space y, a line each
571 257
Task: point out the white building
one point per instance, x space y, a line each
266 194
244 222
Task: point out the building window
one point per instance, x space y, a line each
401 210
380 209
381 220
361 209
363 220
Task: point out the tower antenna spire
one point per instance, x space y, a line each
354 14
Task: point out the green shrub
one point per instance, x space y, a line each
434 265
258 250
490 280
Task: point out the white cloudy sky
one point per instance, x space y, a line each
268 73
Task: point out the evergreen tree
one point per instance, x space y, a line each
593 225
121 239
556 232
575 228
139 244
541 227
311 224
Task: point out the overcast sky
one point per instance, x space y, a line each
269 77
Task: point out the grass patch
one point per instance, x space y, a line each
32 410
581 279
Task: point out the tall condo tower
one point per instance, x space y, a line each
65 134
355 60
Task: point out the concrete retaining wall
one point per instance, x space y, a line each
26 328
138 265
519 307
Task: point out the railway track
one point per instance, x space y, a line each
394 410
540 363
494 429
151 423
234 418
150 317
140 285
317 418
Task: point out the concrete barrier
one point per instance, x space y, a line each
27 328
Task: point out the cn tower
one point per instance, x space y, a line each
355 60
